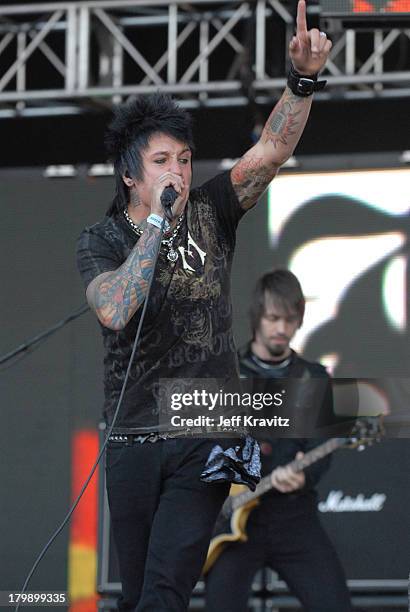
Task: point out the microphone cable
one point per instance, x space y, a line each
100 454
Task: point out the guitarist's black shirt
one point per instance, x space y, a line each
280 451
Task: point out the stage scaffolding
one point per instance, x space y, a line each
214 53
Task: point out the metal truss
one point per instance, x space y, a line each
70 56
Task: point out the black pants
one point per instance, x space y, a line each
294 544
162 518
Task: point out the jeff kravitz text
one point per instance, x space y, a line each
237 420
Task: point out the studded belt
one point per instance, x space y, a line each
130 439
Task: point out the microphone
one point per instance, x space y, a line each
168 197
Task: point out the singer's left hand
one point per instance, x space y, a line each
308 49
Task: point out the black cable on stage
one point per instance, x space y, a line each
26 346
100 454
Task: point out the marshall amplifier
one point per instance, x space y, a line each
364 504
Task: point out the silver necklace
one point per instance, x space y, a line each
172 254
268 366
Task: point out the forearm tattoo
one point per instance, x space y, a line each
256 169
115 296
285 120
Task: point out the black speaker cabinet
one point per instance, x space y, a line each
364 503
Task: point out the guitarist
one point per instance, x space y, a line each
284 531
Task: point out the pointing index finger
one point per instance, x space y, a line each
301 25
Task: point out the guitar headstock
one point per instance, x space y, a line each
366 431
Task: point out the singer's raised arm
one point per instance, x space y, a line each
252 174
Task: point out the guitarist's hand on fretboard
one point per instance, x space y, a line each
231 524
286 479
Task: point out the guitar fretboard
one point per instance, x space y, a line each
297 465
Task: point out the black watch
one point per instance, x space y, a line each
302 84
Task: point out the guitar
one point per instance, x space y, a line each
231 522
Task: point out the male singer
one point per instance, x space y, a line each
162 514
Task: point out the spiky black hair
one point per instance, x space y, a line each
129 133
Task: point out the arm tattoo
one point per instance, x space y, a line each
116 296
250 177
284 121
256 169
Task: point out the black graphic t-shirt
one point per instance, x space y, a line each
187 331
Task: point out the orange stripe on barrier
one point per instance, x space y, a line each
82 553
84 453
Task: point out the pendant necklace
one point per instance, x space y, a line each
172 254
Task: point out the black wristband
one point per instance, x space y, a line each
304 85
